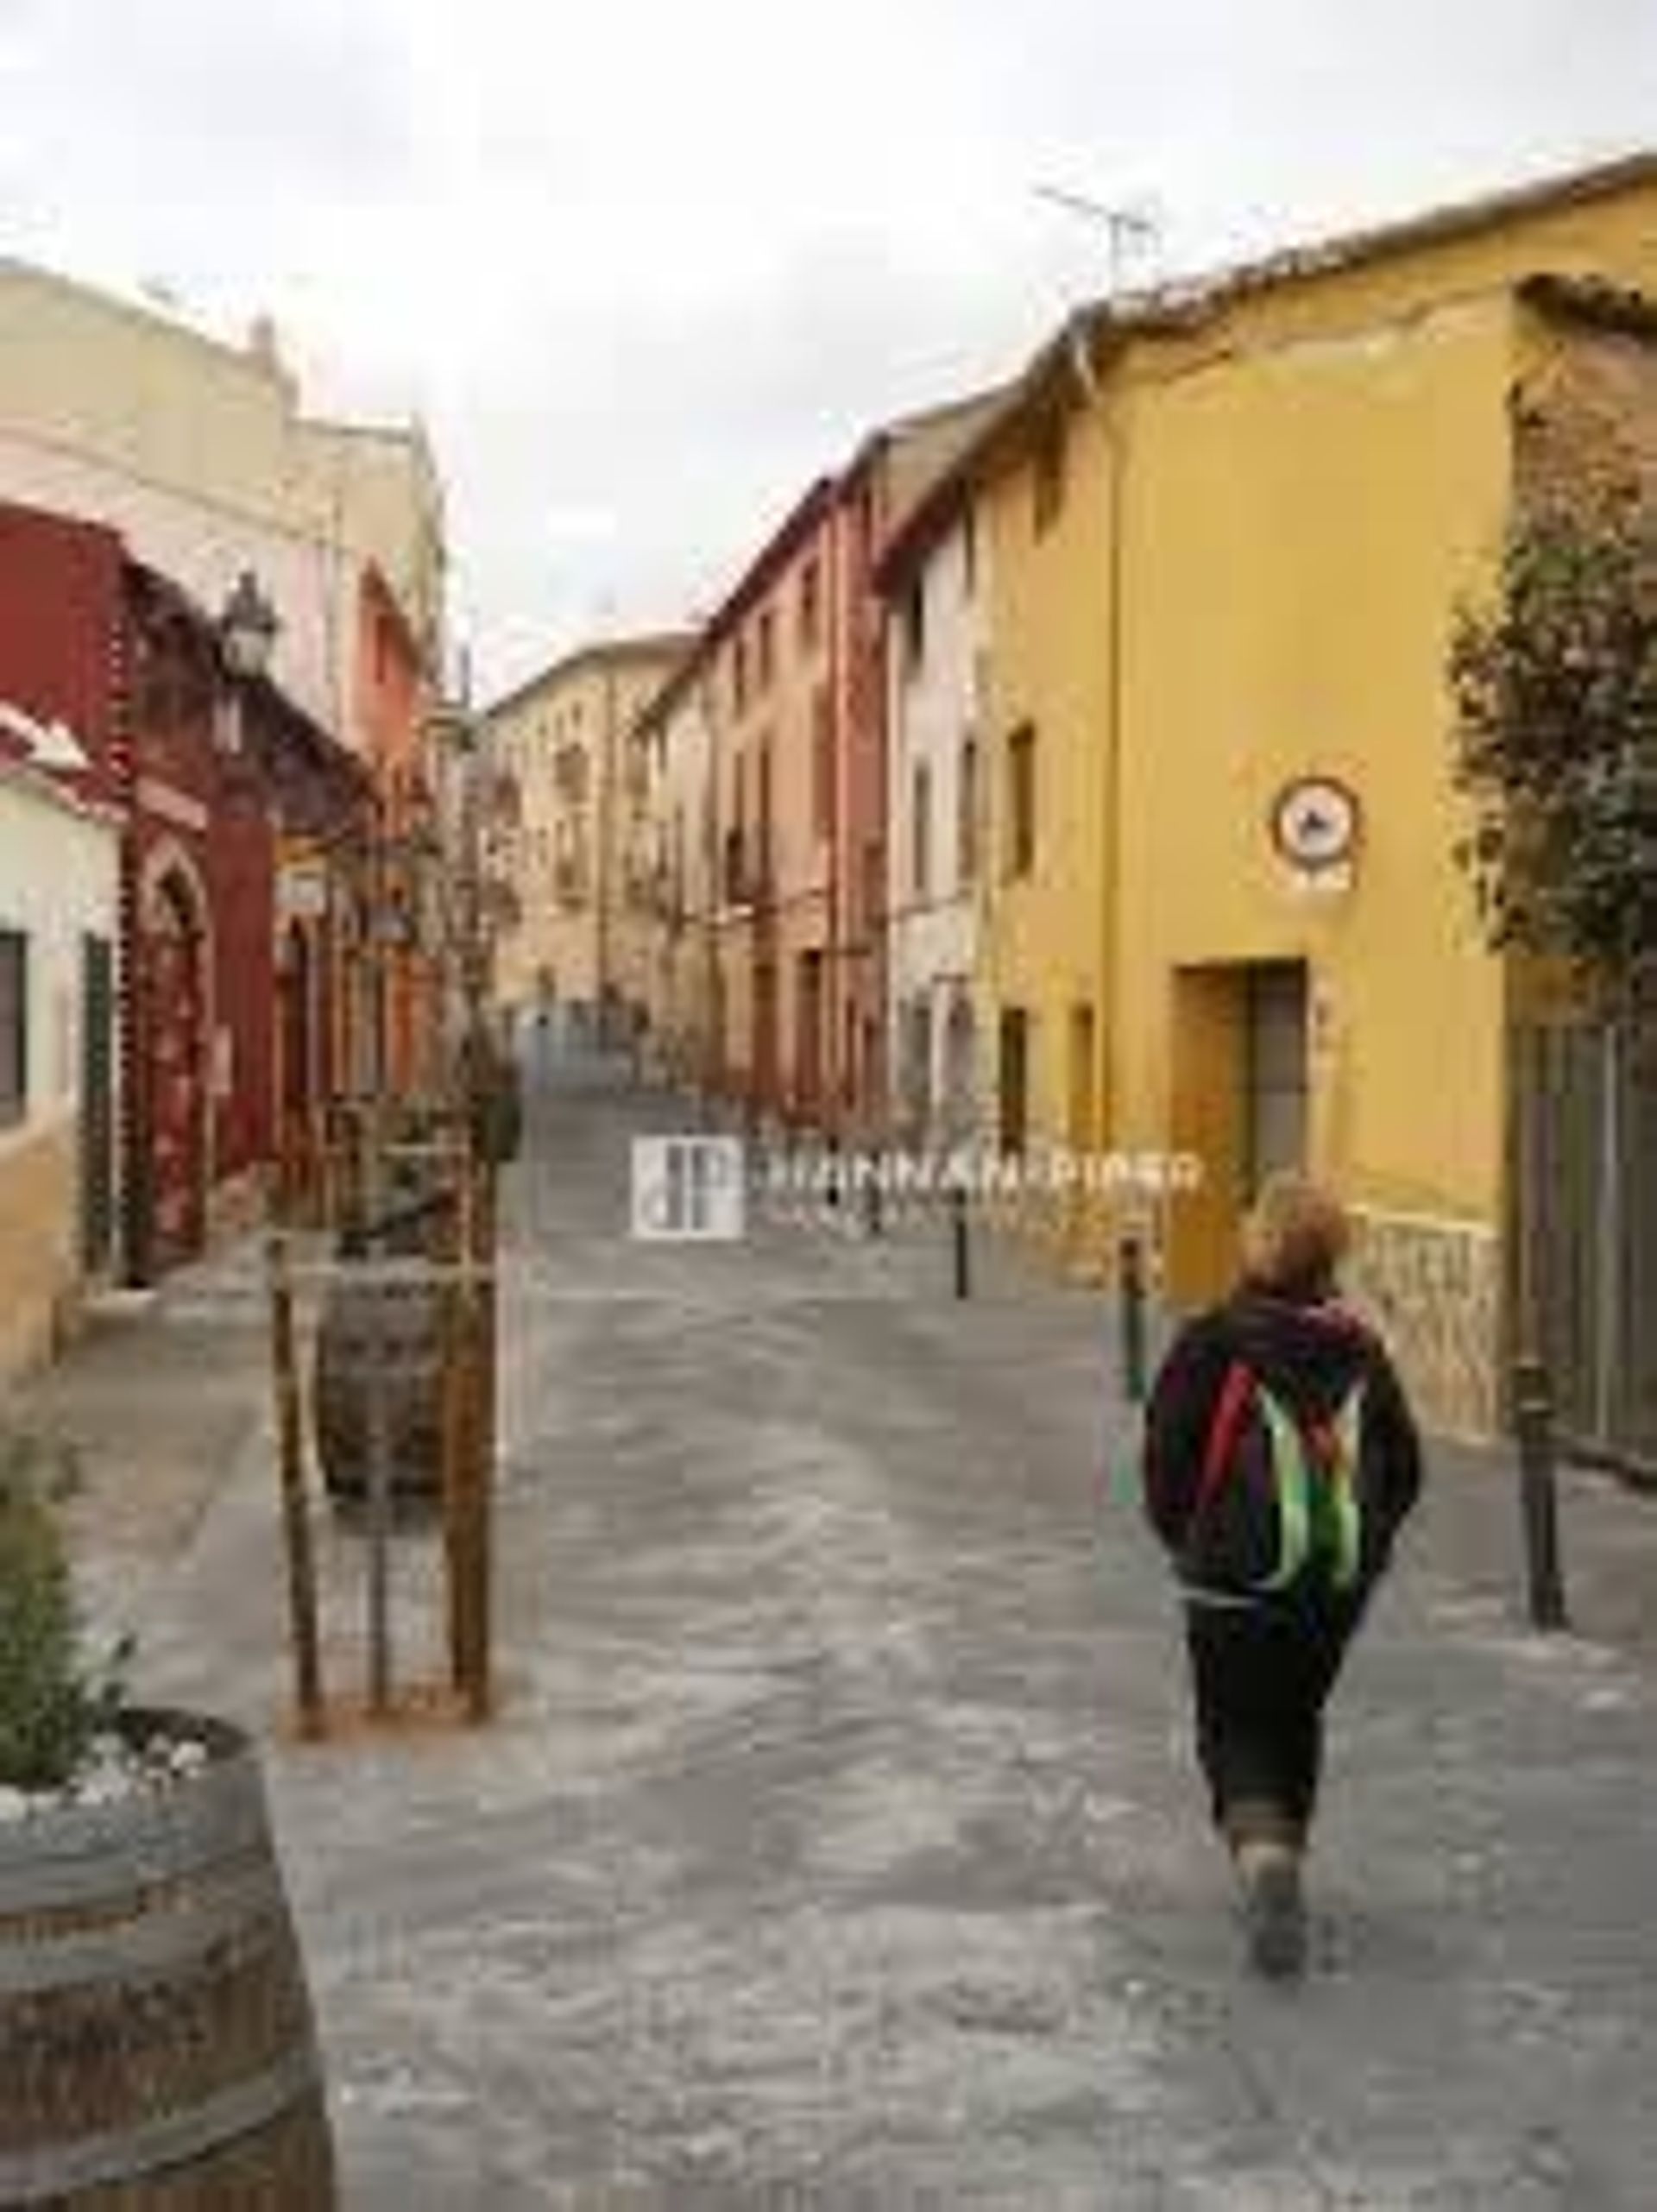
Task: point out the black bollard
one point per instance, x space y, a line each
1532 1412
960 1225
873 1217
1130 1290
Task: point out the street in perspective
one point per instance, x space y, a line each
835 1838
827 1111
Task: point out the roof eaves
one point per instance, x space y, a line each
1594 303
647 645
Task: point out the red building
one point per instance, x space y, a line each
403 987
208 773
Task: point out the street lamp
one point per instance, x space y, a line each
248 628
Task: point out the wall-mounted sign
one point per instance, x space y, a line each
302 892
1316 825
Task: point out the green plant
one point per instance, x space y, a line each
1555 691
52 1703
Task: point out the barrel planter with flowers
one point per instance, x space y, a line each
157 2049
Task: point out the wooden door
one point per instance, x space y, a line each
176 1069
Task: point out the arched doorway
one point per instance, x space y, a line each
175 1068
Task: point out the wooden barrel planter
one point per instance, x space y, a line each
157 2051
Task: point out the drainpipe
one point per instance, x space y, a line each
1087 375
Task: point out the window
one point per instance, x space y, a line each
968 549
1049 473
967 813
765 651
874 881
917 1063
1013 1083
810 604
736 836
14 1027
823 761
570 774
915 625
739 674
762 853
920 830
1021 802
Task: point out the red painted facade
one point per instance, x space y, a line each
203 778
391 729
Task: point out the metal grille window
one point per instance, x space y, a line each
14 1027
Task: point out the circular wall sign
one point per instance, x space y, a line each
1315 823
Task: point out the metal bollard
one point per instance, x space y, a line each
1131 1289
960 1226
1532 1407
873 1217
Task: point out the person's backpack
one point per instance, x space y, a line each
1279 1508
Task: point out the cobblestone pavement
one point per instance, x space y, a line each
838 1845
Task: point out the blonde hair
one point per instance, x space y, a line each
1295 1235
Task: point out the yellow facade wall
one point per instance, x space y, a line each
1308 476
1301 523
1041 940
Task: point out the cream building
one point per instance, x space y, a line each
937 635
200 455
565 828
59 895
675 869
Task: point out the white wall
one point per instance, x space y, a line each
933 709
59 874
197 452
59 878
204 546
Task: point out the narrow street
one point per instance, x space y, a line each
838 1843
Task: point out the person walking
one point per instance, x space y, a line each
1280 1461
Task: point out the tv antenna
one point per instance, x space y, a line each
1134 228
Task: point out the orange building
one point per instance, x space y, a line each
403 984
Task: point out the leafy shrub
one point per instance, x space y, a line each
1555 691
51 1702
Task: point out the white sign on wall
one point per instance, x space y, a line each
1315 825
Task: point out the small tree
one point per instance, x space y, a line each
1555 689
51 1705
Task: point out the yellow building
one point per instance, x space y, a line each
563 832
1229 531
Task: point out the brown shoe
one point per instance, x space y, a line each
1274 1907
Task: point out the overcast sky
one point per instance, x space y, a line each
647 266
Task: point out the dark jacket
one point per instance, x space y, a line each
1308 1354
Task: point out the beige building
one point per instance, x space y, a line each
58 894
673 941
200 455
566 822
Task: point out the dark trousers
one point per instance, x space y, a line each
1260 1679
